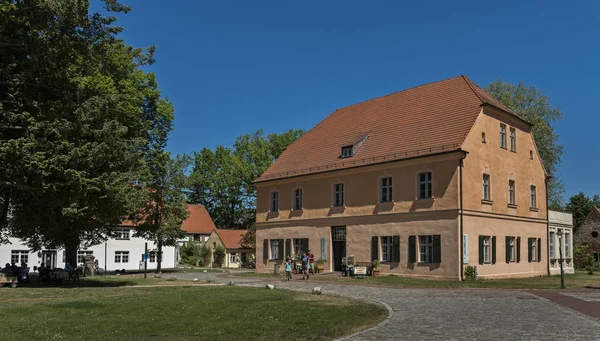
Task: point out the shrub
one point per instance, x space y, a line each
581 257
204 255
375 264
219 255
469 273
189 253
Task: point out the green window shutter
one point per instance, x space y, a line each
507 248
323 248
518 249
529 250
374 248
494 250
539 249
412 249
480 249
305 247
437 248
265 250
396 248
280 249
288 248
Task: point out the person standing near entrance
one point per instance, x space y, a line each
311 262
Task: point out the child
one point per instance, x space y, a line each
288 269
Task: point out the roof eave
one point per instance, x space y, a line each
508 112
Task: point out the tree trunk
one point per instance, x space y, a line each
71 247
159 258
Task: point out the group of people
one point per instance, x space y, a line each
308 265
12 270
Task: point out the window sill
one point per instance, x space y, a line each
502 147
487 202
512 206
514 151
425 199
533 209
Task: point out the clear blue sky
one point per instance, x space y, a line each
231 67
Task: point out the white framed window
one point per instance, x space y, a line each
486 249
551 244
274 201
346 152
567 245
19 256
338 194
511 192
300 245
425 185
275 245
386 189
502 135
122 234
81 254
233 258
426 249
533 197
486 187
512 250
513 139
121 256
533 249
298 199
386 248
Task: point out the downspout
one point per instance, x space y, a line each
547 224
460 212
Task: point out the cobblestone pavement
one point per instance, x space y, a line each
452 314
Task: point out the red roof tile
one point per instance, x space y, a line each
199 221
424 120
231 238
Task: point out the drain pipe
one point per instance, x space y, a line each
548 177
460 212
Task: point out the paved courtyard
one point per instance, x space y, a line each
455 314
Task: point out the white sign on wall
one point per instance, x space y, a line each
465 249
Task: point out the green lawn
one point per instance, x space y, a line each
577 281
180 313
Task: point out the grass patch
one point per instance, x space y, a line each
181 313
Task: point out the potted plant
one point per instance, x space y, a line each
320 265
376 268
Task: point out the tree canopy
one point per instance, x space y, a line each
581 205
222 179
77 113
535 107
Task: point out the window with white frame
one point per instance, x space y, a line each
19 256
386 189
346 152
551 244
513 139
512 250
82 254
275 245
274 201
533 197
386 249
426 249
502 135
121 256
425 185
298 199
533 249
511 192
122 234
486 187
233 258
300 245
567 245
338 195
486 249
152 255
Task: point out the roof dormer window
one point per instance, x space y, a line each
352 147
346 152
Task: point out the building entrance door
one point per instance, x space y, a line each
49 259
339 246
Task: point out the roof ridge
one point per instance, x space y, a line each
470 83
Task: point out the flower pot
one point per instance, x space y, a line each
375 273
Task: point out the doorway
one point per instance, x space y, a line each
49 259
338 234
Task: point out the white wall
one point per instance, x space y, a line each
104 253
561 221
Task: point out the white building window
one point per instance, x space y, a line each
533 249
386 249
486 187
502 135
567 245
513 139
512 250
300 245
121 256
425 185
275 248
426 249
533 197
81 254
386 189
122 234
511 192
551 244
298 199
233 258
19 256
274 201
486 249
338 195
346 152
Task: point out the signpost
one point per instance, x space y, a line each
146 260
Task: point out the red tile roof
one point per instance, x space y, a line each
231 238
199 221
424 120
